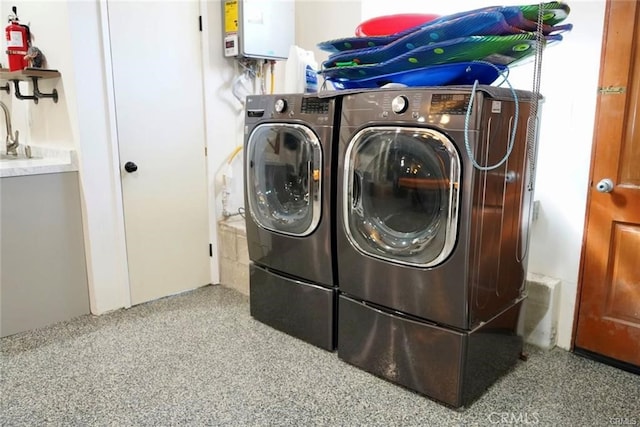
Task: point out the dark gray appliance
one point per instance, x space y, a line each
432 250
289 156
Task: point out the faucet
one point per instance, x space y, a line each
11 141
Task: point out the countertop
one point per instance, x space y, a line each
44 160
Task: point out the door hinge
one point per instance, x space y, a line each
200 22
211 250
205 151
612 90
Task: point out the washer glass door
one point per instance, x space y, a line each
401 194
284 167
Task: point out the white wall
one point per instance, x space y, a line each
318 21
224 120
569 84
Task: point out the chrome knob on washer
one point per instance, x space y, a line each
399 104
280 105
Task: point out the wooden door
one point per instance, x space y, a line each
608 316
158 85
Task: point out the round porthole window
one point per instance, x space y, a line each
401 194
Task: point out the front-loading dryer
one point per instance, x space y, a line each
289 198
431 248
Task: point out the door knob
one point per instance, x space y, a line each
605 186
130 167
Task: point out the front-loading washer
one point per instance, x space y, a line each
289 197
431 248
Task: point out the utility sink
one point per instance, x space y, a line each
43 160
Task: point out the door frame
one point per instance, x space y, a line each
123 288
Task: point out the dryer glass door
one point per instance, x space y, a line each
284 167
401 194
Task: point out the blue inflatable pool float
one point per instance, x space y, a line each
519 18
499 50
460 73
479 23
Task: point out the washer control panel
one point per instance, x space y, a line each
449 103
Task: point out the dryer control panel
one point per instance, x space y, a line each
446 107
441 103
449 103
314 106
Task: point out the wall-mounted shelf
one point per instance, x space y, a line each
33 75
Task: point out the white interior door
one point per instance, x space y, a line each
157 73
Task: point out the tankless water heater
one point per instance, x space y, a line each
258 28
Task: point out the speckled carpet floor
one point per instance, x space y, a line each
200 359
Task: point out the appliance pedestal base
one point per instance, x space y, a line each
303 310
451 366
